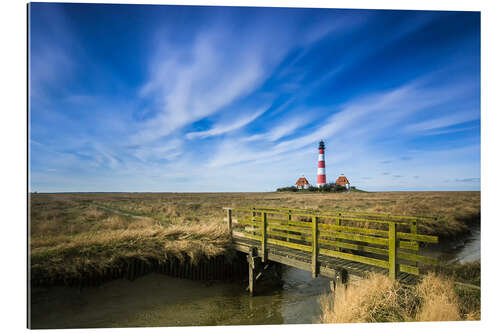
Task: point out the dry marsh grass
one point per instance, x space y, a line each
71 237
72 233
377 298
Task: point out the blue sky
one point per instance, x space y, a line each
186 98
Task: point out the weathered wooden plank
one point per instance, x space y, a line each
416 258
392 251
290 236
414 230
353 219
338 223
380 215
408 245
286 222
324 226
289 261
290 245
360 266
351 246
290 228
408 269
353 257
249 222
264 236
328 272
251 229
246 235
251 272
417 237
355 237
315 245
248 228
405 277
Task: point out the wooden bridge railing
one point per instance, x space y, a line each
387 241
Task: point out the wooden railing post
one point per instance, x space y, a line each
289 218
392 250
337 222
413 230
314 258
229 223
264 231
253 220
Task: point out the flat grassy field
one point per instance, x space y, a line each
75 233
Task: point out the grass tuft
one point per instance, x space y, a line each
377 298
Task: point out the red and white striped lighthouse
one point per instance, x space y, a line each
321 164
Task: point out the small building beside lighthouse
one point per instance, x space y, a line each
302 183
342 181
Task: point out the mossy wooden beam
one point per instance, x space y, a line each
353 246
264 236
392 251
417 237
355 237
290 245
353 229
315 247
351 213
354 257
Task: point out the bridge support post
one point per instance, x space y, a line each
251 269
340 280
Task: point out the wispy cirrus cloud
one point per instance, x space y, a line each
220 72
283 129
362 119
187 91
239 99
444 121
222 128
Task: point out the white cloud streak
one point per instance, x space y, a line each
225 128
361 120
444 121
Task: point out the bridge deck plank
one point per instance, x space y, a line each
302 259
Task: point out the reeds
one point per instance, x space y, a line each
377 298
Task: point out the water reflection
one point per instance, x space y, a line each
464 250
158 300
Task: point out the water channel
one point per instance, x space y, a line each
159 300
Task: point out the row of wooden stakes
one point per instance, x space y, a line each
216 268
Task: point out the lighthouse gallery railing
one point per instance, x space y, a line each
381 240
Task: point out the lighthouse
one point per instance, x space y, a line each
321 164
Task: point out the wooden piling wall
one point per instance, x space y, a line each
217 268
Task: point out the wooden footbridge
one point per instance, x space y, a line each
332 244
